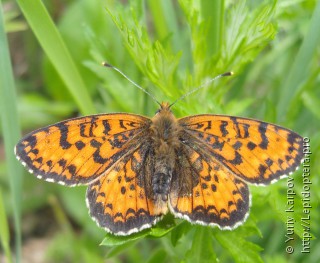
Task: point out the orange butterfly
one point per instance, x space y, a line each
137 169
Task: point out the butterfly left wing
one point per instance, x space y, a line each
204 191
79 150
256 152
121 201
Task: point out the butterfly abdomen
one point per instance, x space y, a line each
164 130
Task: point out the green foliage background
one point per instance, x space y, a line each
168 47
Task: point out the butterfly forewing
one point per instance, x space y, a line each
79 150
255 151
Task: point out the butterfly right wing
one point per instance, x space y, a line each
79 150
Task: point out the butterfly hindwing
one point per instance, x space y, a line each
78 150
204 191
255 151
121 201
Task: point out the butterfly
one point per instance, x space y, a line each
138 169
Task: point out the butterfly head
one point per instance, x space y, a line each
164 123
164 108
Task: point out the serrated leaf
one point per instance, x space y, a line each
116 250
159 230
111 240
202 248
180 230
163 227
153 60
240 249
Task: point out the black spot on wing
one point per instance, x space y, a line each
93 125
62 162
291 138
34 151
264 139
237 159
63 136
269 162
237 145
208 126
39 160
95 144
244 126
80 145
29 141
223 128
106 126
251 146
217 144
118 140
262 170
72 169
122 125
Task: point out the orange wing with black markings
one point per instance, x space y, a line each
206 192
122 201
79 150
257 152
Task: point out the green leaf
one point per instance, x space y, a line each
160 229
155 62
202 247
165 20
180 230
165 226
247 33
240 249
111 240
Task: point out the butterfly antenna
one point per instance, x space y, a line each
202 86
107 65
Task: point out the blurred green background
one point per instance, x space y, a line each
168 47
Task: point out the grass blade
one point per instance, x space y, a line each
165 22
55 48
213 11
301 64
11 132
4 230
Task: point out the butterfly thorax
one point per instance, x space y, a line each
164 130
